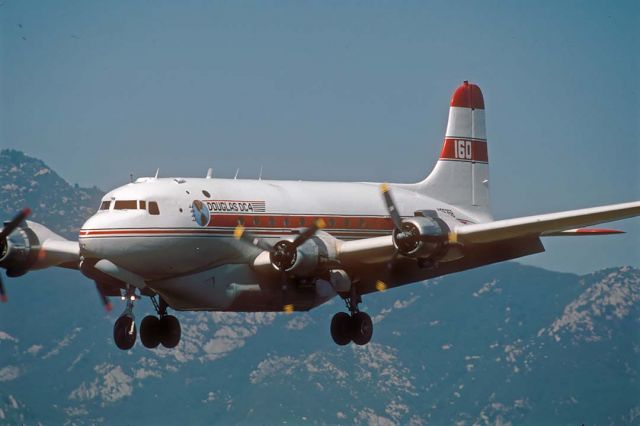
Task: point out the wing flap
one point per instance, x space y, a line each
544 224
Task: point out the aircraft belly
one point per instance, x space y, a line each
166 256
236 287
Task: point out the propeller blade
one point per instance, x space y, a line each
3 293
11 226
309 232
391 206
103 298
241 233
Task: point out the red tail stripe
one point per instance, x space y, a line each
464 150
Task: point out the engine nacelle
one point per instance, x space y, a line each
19 252
422 237
306 259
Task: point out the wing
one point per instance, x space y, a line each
544 224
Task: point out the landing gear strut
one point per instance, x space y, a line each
356 327
124 330
163 329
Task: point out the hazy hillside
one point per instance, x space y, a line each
27 181
504 344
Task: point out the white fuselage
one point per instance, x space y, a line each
176 242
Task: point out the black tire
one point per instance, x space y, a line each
341 328
362 328
150 331
170 331
124 332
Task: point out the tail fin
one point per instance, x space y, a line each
461 176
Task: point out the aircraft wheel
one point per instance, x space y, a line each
169 331
124 332
341 328
150 331
362 328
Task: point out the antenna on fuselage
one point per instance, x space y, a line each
157 173
209 173
260 175
236 176
130 177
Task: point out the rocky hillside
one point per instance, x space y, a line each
503 344
27 181
506 344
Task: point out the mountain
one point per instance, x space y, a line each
27 181
502 344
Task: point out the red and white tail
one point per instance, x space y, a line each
461 176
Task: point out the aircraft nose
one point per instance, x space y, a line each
89 247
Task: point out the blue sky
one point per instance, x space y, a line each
335 91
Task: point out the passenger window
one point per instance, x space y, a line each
126 205
256 220
285 222
346 222
143 204
241 221
153 208
332 222
301 221
105 205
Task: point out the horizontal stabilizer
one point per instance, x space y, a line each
581 232
543 224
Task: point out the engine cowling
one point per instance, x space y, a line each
422 237
306 259
19 252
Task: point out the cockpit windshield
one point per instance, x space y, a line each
125 205
150 206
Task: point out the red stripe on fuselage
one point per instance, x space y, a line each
264 224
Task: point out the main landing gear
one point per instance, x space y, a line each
355 327
154 330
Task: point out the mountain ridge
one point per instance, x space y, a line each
502 344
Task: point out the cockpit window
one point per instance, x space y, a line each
126 205
153 208
143 205
105 205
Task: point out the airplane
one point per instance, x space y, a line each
210 244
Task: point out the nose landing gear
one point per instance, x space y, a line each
154 330
124 330
356 327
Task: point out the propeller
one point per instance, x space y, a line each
11 226
103 297
403 233
283 253
8 228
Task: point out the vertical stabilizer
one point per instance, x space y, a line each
461 176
